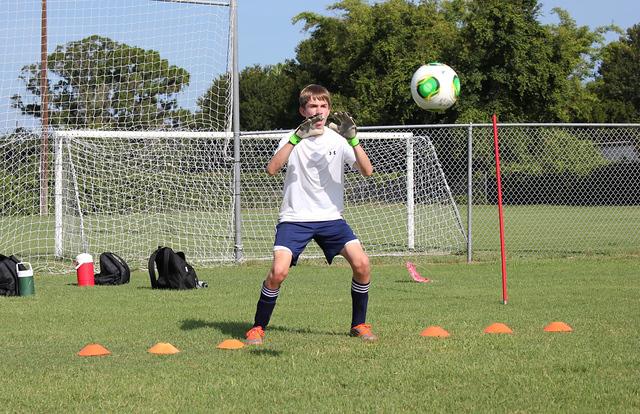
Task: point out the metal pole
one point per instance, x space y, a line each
238 250
57 197
44 105
469 193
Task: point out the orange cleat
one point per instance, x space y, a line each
363 331
254 336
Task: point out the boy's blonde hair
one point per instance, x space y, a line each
316 92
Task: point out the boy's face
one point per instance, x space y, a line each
314 107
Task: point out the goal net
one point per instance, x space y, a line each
406 207
130 191
121 65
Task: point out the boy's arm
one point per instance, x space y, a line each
279 159
363 163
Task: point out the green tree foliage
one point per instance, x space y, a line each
554 151
522 70
508 62
268 96
213 106
618 82
99 83
367 55
268 99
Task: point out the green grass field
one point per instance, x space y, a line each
309 364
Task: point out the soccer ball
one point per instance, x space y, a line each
435 86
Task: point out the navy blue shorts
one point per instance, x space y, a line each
331 236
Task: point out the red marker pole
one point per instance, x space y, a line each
496 148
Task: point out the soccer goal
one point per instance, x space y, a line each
130 191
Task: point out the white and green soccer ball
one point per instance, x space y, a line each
435 86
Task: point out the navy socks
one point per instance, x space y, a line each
265 306
359 301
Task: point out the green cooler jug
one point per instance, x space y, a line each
25 279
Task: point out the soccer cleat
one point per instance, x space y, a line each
363 331
254 336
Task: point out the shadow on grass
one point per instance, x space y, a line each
238 329
235 329
413 282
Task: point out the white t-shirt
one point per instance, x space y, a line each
314 182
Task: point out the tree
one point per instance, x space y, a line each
213 106
102 84
617 85
367 56
268 99
19 172
519 68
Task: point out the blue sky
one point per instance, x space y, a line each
266 33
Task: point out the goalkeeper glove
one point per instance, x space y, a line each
346 127
306 129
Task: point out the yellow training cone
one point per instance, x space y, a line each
230 344
435 331
498 328
163 348
93 350
557 327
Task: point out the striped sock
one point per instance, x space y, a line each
265 306
359 302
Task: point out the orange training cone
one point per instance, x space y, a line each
435 331
93 350
163 348
230 344
558 327
498 328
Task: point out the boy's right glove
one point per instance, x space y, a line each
306 129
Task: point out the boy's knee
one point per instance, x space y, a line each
361 268
276 276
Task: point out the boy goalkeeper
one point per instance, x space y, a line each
313 203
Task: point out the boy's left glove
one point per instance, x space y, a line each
346 127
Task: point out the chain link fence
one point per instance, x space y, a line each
567 189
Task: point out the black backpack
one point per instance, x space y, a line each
113 270
9 285
173 270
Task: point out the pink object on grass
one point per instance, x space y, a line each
415 275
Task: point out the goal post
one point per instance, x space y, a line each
130 191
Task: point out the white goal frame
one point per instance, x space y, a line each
249 224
